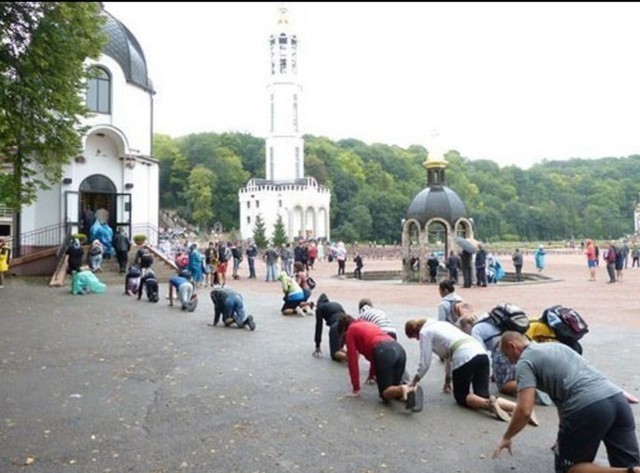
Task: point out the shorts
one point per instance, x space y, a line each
592 263
390 361
610 421
222 268
474 372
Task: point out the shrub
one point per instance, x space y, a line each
140 238
81 237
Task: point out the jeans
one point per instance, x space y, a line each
234 305
252 267
272 271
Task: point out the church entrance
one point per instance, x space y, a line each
98 192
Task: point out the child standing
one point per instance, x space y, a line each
4 260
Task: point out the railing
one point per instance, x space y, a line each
41 239
5 212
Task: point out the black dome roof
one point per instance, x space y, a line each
436 201
124 48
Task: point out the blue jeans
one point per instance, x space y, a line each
272 271
234 305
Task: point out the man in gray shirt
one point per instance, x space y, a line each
591 408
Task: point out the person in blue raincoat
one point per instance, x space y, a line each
539 257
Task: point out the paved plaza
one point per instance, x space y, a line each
105 383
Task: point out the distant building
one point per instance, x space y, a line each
115 169
302 203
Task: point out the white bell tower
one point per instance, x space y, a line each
284 145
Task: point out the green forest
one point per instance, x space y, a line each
373 184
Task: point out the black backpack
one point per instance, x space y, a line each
566 322
509 316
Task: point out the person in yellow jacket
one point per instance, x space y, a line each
4 260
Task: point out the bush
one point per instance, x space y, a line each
81 237
140 239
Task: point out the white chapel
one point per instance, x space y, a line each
115 170
302 203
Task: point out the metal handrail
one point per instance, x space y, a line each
42 238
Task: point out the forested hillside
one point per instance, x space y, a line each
372 186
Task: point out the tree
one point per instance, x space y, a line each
279 233
259 233
199 196
43 49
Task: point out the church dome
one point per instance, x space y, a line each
123 47
436 201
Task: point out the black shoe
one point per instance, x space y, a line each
419 400
250 323
411 400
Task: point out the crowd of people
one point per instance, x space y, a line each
475 348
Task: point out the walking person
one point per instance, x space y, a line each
517 259
591 409
252 254
610 258
481 267
4 260
465 263
122 245
453 264
592 259
539 257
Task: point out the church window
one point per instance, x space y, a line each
257 204
248 219
298 163
283 65
248 204
99 91
280 203
295 112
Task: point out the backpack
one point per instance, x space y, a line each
311 282
222 254
566 322
509 316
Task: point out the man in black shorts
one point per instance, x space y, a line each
591 408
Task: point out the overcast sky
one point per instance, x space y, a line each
515 83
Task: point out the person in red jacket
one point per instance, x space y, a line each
387 361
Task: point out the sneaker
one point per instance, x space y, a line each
250 323
228 322
497 411
299 311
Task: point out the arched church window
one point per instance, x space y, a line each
283 65
298 163
295 112
99 91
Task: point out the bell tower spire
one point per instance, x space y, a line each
284 144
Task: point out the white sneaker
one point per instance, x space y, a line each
299 311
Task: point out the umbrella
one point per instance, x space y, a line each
467 244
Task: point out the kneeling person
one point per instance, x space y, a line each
230 305
184 290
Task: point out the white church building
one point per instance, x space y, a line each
302 203
115 169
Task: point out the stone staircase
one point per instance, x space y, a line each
163 267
